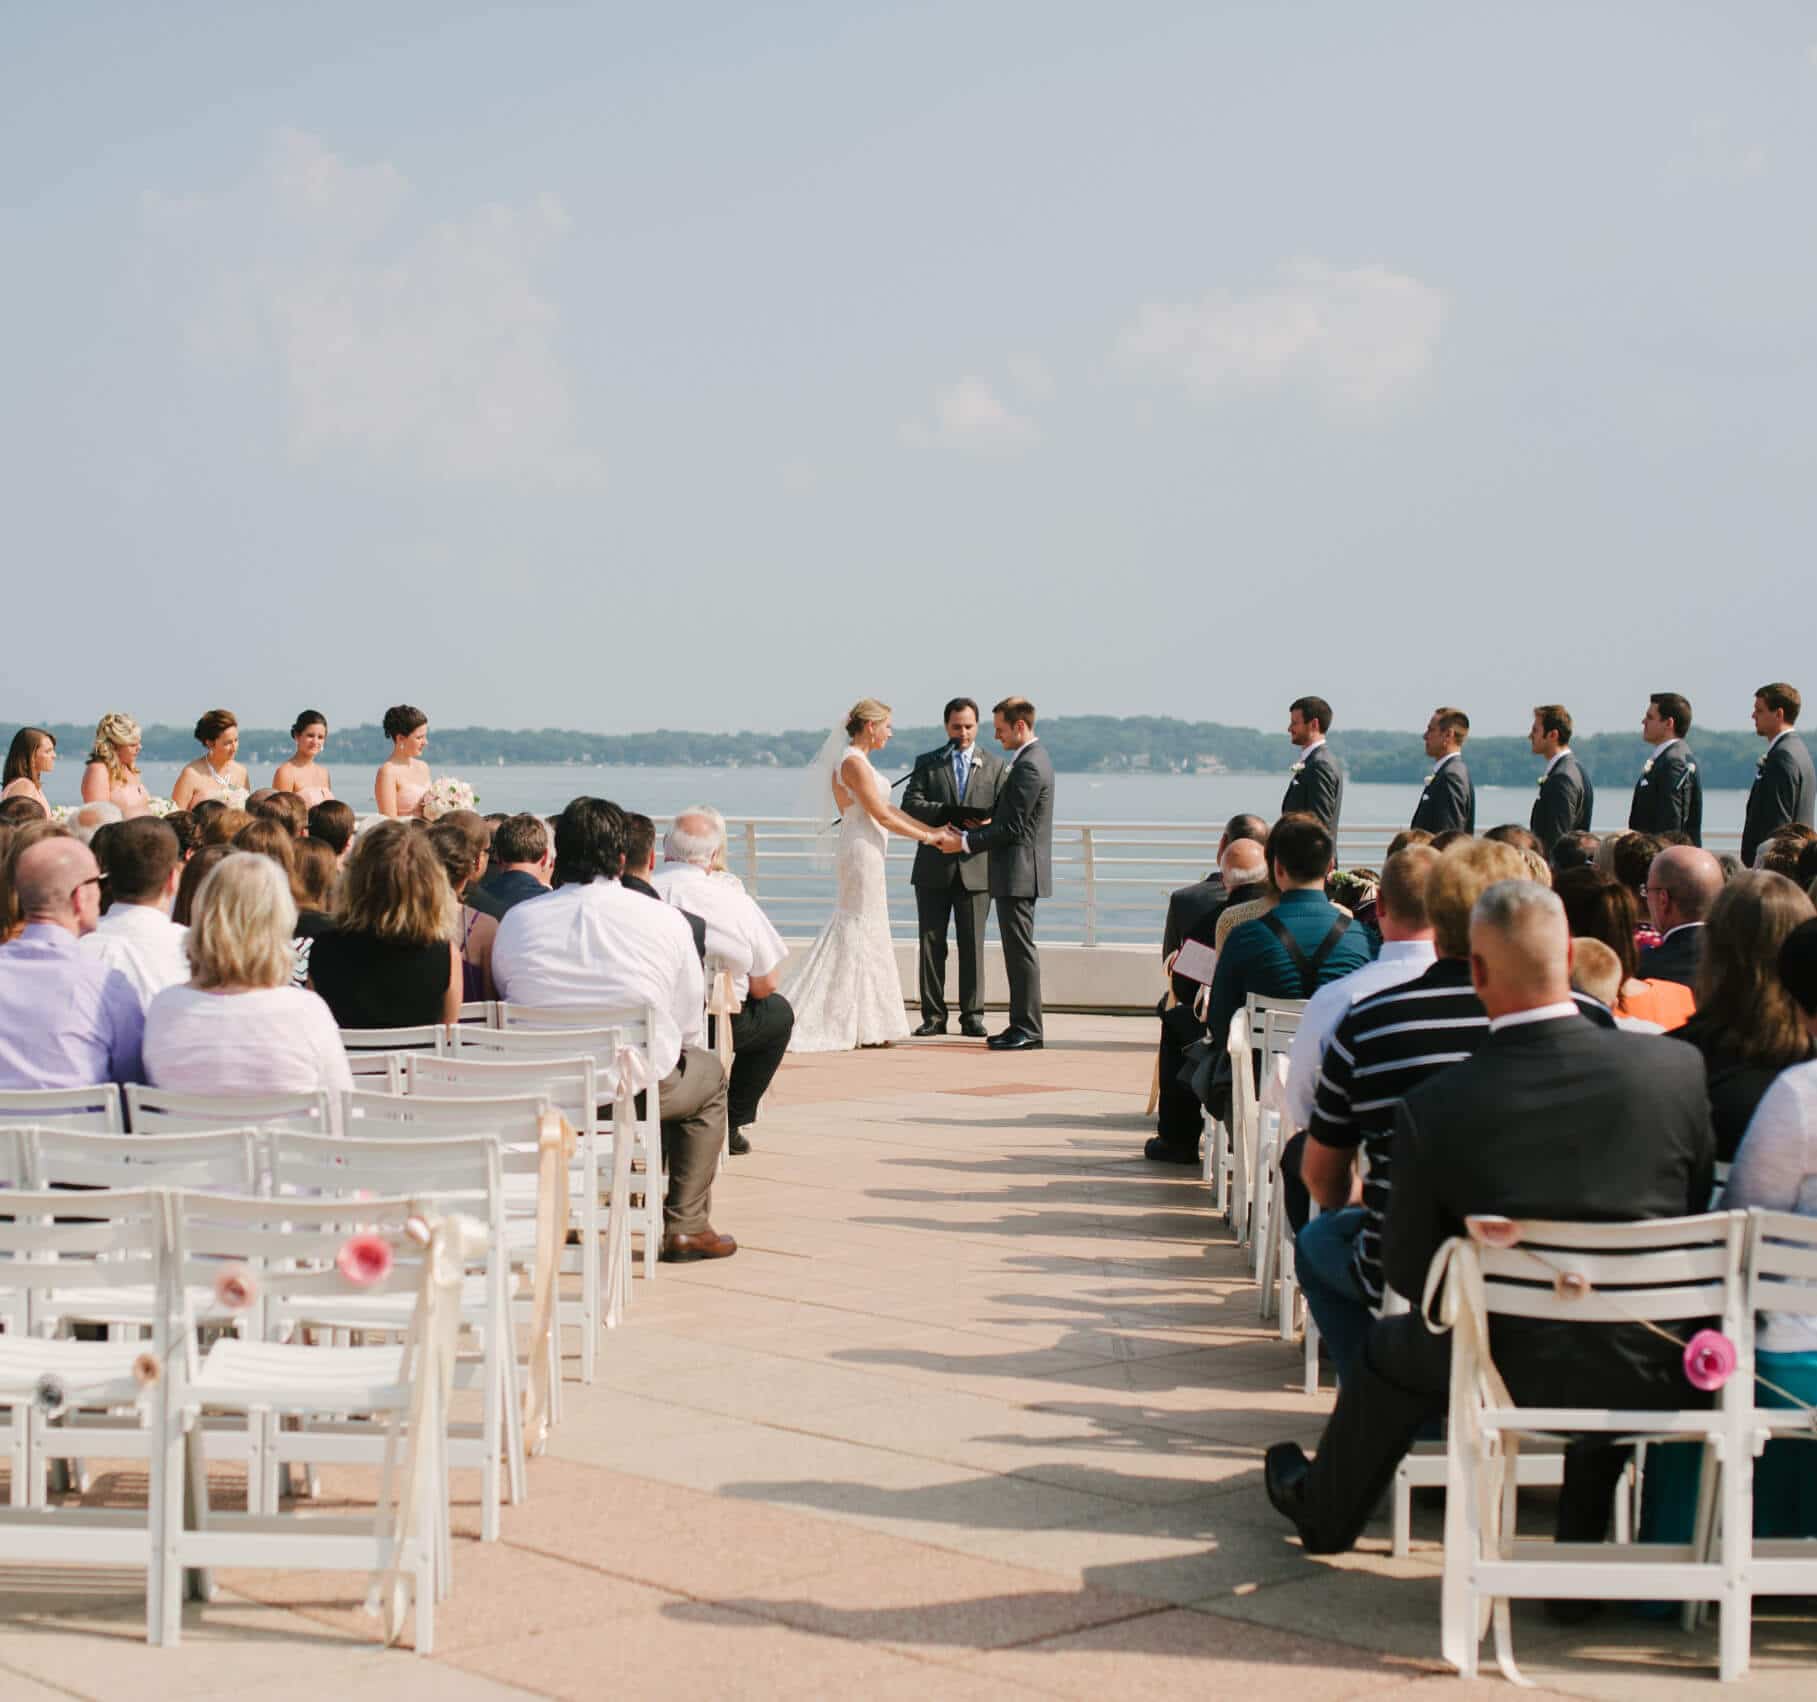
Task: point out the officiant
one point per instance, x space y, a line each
947 788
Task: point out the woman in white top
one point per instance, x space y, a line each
240 1026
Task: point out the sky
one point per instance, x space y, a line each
709 366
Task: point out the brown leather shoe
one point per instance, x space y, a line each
708 1244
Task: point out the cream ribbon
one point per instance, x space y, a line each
555 1138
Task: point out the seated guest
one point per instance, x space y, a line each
332 822
195 871
222 825
1248 908
66 1019
741 938
394 957
1746 1024
453 843
316 884
257 799
1603 909
89 819
1511 833
639 874
1682 883
1187 906
19 841
1179 1117
239 1026
593 942
1550 1117
137 936
285 807
1784 852
17 811
478 895
1596 973
1630 862
1382 1047
183 825
1298 946
1576 850
523 861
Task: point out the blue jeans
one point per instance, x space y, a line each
1323 1267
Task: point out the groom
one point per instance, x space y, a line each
1020 841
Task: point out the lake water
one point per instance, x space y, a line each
1171 798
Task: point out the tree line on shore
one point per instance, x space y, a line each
1077 743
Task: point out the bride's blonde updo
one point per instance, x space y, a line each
865 711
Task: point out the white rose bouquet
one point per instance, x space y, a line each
447 795
161 807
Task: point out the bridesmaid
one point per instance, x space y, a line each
403 778
214 774
34 755
302 774
112 772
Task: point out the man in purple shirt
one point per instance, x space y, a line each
66 1020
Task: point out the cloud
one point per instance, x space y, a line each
1713 155
969 416
1357 336
390 337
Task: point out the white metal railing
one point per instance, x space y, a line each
1111 879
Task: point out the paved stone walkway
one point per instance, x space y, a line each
977 1411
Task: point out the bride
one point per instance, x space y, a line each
846 991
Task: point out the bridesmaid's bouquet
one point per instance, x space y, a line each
447 795
162 807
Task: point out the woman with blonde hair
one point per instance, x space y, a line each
112 773
847 992
239 1026
394 957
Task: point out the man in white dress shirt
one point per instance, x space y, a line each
740 936
594 942
137 936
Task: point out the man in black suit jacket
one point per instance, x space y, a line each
1552 1117
957 783
1566 798
1192 911
1785 787
1668 796
1316 786
1020 842
1683 882
1447 800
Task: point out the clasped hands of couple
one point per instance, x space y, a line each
951 841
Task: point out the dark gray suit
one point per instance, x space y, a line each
1668 796
1564 805
1448 800
1317 790
1020 847
955 888
1783 792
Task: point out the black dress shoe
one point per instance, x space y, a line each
1285 1469
972 1027
1014 1040
929 1027
737 1145
1165 1152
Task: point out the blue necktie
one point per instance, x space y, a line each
959 768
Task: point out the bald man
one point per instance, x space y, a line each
1683 882
1551 1117
66 1020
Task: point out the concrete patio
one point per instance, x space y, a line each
978 1410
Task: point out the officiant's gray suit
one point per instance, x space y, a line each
955 888
1019 843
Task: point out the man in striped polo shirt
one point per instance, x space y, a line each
1384 1045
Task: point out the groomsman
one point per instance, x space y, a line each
1316 787
959 782
1447 800
1566 797
1785 786
1668 796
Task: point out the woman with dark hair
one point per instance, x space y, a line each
195 871
394 957
403 778
32 756
1598 907
1747 1025
301 773
214 774
454 845
112 773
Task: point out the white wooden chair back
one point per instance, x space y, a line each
224 1159
159 1111
430 1037
511 1119
117 1244
482 1011
13 1171
97 1108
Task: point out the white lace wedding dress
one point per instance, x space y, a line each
846 992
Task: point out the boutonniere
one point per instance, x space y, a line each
1539 785
1297 767
1760 765
1647 766
1430 778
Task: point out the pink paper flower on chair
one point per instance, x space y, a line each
1493 1231
49 1396
1709 1360
235 1288
364 1260
146 1370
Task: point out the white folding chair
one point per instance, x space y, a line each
119 1242
293 1253
483 1011
455 1173
158 1111
427 1037
1672 1272
1244 1114
96 1108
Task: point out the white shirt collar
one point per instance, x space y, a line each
1558 759
1539 1013
137 919
1407 951
1665 745
1444 759
1778 736
1032 742
1307 750
1678 930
